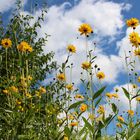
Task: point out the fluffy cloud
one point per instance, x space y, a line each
5 5
62 24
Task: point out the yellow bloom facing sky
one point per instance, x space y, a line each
71 48
86 65
120 118
69 87
61 77
73 124
6 43
85 29
100 75
83 107
101 109
130 112
134 38
133 22
24 47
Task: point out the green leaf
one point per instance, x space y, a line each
87 124
67 131
75 105
114 108
97 102
126 93
98 93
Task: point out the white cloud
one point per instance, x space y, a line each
5 5
107 21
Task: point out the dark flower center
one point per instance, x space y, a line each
6 43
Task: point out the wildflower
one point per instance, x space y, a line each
6 43
91 116
61 77
30 78
109 95
138 99
28 95
71 48
83 107
133 22
115 95
101 110
18 102
100 75
134 39
5 91
38 94
21 108
73 124
119 125
138 79
65 138
79 96
69 87
86 65
130 112
13 89
134 86
120 118
24 47
71 117
42 90
137 52
85 29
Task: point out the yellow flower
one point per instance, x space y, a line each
109 95
91 116
24 47
134 86
119 125
30 78
138 99
115 95
130 112
18 102
66 138
134 39
6 43
73 124
61 77
86 65
28 95
5 91
100 75
42 90
71 117
133 22
85 29
13 89
69 87
120 118
139 79
38 94
71 48
101 110
137 52
79 96
83 107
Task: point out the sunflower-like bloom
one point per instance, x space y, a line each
61 77
109 95
42 90
65 138
119 125
79 96
13 89
71 48
30 78
134 39
24 47
100 75
85 29
137 52
86 65
5 91
6 43
73 124
138 79
120 118
133 22
18 102
115 95
130 112
83 107
138 99
134 86
69 87
101 109
71 117
28 95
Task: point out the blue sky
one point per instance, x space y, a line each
107 17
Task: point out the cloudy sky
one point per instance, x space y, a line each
107 18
